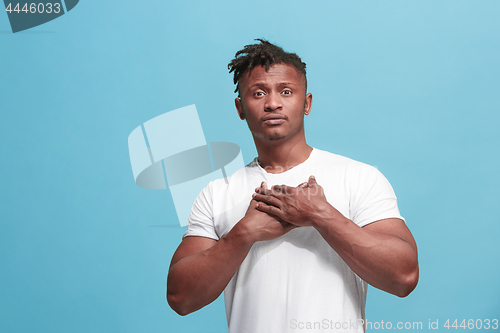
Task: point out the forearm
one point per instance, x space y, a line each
198 280
384 261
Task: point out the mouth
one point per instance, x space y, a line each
274 119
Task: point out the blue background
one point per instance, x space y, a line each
411 87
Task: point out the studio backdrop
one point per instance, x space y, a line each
410 87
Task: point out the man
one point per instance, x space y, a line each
295 236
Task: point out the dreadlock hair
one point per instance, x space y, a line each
263 54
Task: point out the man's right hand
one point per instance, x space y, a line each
260 226
202 267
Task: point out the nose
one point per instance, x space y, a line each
273 102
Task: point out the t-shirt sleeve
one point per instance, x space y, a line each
201 221
372 198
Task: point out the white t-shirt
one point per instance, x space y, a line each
296 282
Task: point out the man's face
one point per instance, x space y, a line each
274 102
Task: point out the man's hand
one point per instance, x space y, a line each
260 226
382 253
300 205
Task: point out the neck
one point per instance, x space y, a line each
278 157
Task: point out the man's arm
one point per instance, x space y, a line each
202 267
382 253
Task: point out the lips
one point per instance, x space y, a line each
274 119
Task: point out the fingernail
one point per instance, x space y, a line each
253 195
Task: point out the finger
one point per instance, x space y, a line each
272 210
274 191
277 189
268 199
312 181
263 191
263 186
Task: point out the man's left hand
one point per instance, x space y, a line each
299 205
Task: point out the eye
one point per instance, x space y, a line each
258 94
286 92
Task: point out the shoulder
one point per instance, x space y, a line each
348 164
354 175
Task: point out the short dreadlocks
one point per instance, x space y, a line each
263 54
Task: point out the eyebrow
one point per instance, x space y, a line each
279 84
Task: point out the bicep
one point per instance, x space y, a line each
393 227
192 245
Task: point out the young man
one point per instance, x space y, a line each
295 236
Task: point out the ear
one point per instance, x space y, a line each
239 107
308 104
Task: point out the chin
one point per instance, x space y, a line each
275 137
270 137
